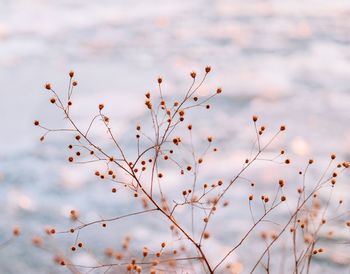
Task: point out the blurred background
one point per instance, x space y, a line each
287 61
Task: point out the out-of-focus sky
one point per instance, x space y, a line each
287 61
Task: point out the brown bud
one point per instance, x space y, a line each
37 241
16 231
281 183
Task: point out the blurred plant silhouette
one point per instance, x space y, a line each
166 153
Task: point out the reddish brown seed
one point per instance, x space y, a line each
16 231
206 235
281 183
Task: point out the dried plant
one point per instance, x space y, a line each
166 153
